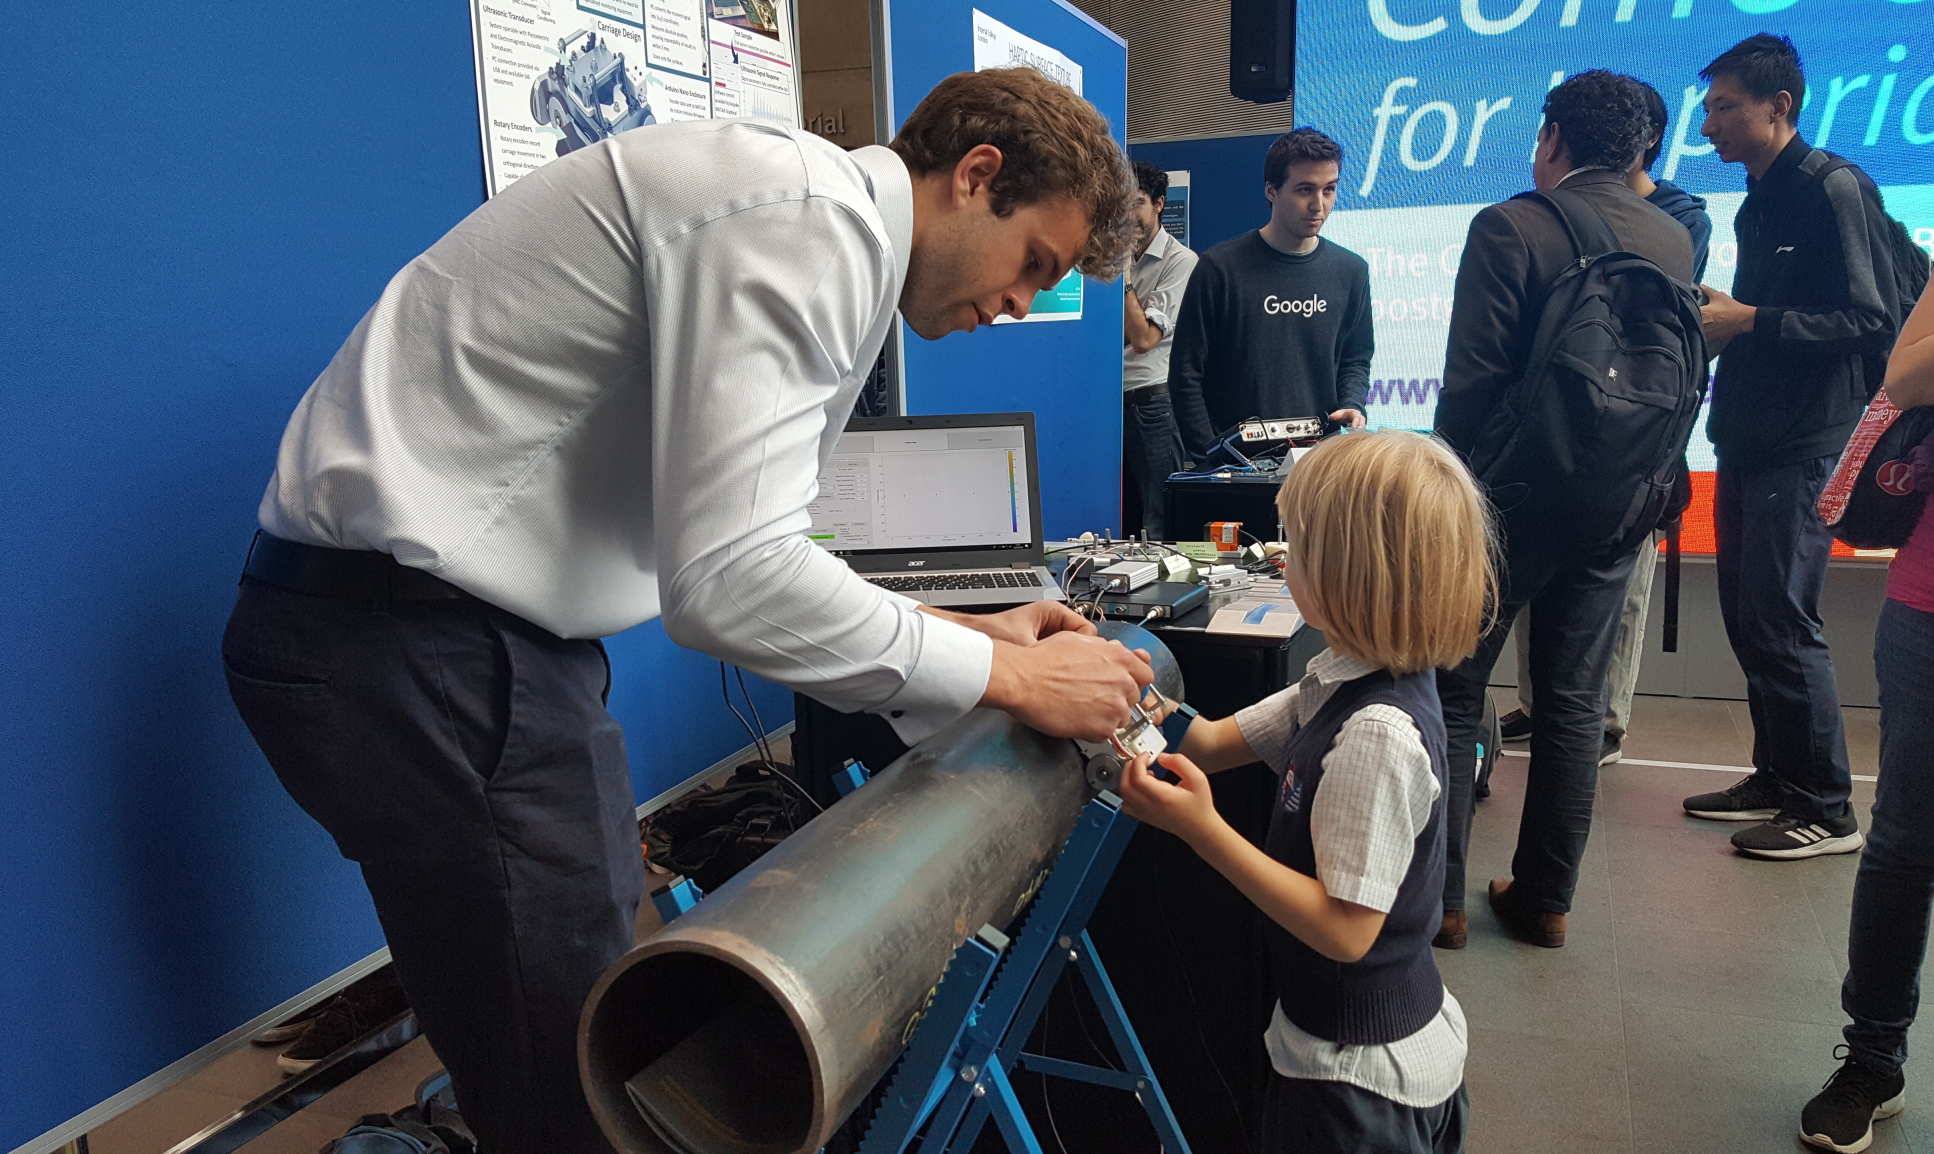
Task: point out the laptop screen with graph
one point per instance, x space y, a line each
919 485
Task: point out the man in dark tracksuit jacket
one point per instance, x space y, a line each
1594 125
1798 350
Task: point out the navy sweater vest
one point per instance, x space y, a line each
1394 990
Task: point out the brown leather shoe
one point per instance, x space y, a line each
1452 934
1538 927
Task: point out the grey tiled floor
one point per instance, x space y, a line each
1696 1002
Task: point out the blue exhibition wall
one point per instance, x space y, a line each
201 207
1068 373
1225 183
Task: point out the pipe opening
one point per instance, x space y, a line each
685 1050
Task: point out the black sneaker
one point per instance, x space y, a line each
1515 726
1611 751
288 1029
1841 1116
1751 798
1790 836
359 1011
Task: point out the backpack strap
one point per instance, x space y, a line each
1673 531
1584 225
1819 164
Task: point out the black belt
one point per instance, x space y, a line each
1145 393
347 574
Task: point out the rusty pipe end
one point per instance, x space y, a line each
684 1050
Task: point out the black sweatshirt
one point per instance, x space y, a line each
1816 260
1267 334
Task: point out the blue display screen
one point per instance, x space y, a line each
1437 104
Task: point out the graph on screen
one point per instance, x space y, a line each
924 489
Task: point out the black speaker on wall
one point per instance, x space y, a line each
1262 49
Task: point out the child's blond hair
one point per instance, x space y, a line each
1394 543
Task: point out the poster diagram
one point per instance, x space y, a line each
589 93
554 76
998 46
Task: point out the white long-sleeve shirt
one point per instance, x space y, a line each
607 393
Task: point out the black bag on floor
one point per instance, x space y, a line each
405 1132
711 834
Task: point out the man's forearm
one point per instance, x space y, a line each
1140 333
1353 387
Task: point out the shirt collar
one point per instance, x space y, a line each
1159 246
1586 170
892 188
1331 667
1790 157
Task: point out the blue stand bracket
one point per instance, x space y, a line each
962 1051
956 1074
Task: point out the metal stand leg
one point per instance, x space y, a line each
973 1033
1148 1090
1008 1115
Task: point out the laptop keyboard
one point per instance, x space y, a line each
1003 579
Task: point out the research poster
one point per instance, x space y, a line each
998 46
1175 207
1437 104
554 76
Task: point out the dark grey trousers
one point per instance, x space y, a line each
463 757
1772 568
1307 1116
1575 604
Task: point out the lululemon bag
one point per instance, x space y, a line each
1870 502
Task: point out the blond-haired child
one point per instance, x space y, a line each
1390 556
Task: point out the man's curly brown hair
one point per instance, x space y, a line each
1052 142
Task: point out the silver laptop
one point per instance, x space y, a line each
942 509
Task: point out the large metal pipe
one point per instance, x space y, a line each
756 1023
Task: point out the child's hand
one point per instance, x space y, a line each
1184 807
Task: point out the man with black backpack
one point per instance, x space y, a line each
1801 350
1627 651
1573 376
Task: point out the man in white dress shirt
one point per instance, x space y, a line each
601 398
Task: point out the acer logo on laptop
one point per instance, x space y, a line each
915 564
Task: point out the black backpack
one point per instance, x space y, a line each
1911 264
1592 436
712 833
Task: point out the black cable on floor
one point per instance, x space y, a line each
759 744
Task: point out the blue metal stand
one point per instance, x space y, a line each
962 1050
956 1074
